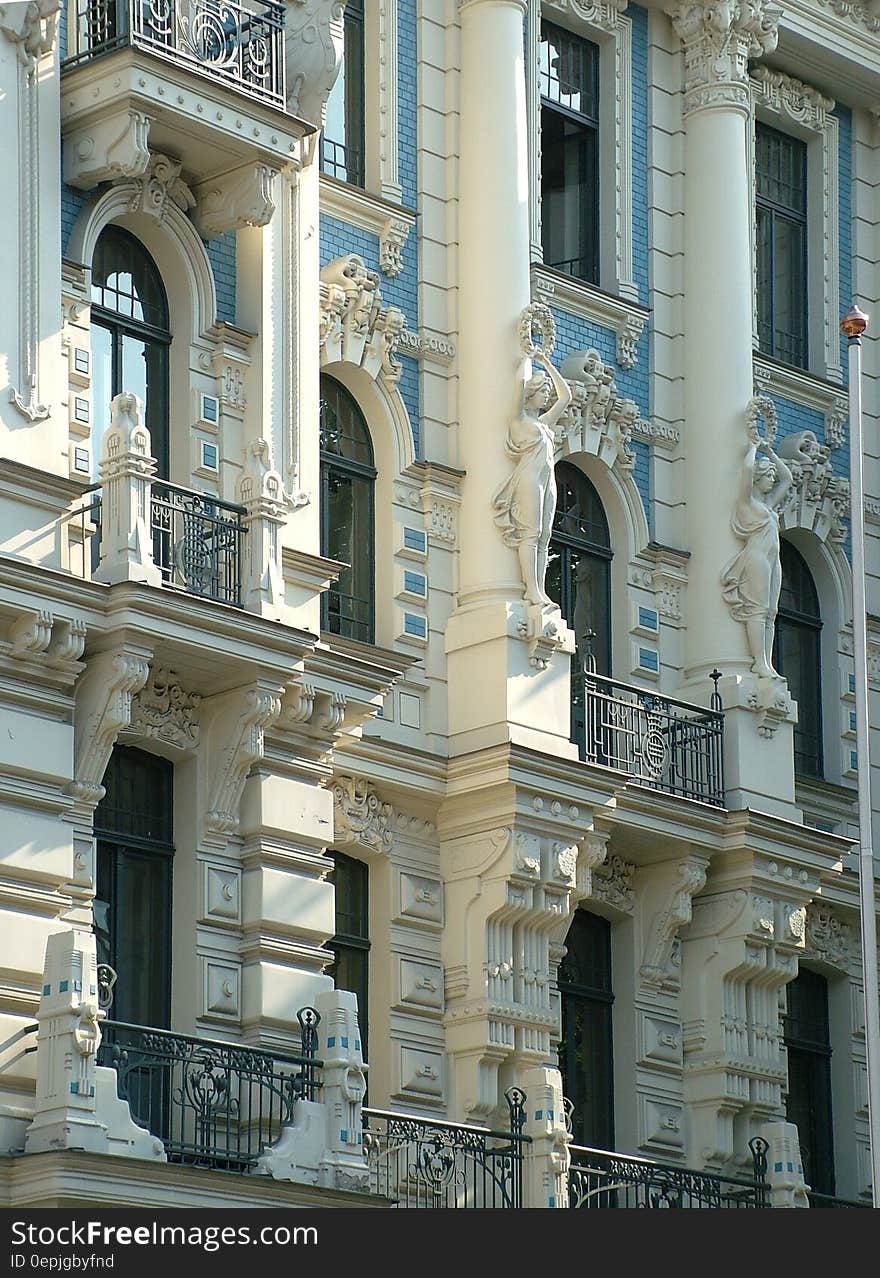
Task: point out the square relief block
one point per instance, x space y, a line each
410 710
222 990
421 1072
660 1041
661 1123
421 984
222 889
421 898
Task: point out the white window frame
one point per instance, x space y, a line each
604 24
799 110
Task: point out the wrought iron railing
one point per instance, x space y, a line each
829 1200
598 1178
425 1162
242 44
211 1104
666 744
197 542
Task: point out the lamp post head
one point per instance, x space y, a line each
854 323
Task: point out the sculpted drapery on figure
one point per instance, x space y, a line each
525 503
752 580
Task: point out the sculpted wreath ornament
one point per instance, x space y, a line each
537 330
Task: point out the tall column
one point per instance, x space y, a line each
719 37
496 642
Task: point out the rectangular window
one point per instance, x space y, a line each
343 143
351 944
781 225
568 74
808 1103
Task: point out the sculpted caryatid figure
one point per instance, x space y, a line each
751 581
524 505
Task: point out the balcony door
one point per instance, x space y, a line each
586 1058
130 339
132 907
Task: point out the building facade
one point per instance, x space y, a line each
425 624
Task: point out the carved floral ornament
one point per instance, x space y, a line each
31 28
361 816
164 711
719 38
828 936
354 326
785 95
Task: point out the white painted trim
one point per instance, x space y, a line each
627 319
359 209
799 387
804 113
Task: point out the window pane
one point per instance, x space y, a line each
789 292
342 146
781 216
102 391
142 940
349 538
808 1101
568 71
585 1051
125 279
797 656
351 944
569 195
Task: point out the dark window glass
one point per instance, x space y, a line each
133 827
808 1040
347 481
130 338
568 76
585 1052
351 944
797 655
579 580
781 216
342 146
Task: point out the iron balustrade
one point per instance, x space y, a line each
829 1200
241 44
211 1104
666 744
598 1178
422 1162
197 542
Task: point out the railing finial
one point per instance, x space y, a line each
715 676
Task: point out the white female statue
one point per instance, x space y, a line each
525 503
752 580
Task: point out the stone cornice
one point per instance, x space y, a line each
627 319
360 209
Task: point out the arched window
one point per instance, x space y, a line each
579 579
347 482
796 654
586 1058
133 827
808 1101
130 338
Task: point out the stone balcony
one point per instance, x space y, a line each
192 86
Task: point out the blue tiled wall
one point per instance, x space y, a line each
407 99
72 201
639 18
338 238
221 255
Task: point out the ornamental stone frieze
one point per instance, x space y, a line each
784 94
719 38
354 326
598 420
829 937
360 816
165 712
818 500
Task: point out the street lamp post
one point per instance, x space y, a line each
853 326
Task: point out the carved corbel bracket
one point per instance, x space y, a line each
108 150
235 743
690 878
769 699
159 187
361 816
598 420
545 632
50 641
392 239
592 851
314 44
231 201
102 709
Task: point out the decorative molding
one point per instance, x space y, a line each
31 29
234 200
828 936
387 86
426 345
690 878
361 816
53 643
597 420
102 709
626 319
782 99
545 632
359 208
314 43
719 38
818 500
353 324
160 185
163 711
865 15
392 239
872 510
107 150
235 743
613 884
798 386
260 490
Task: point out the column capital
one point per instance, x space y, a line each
719 37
